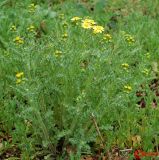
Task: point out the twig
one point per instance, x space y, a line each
97 129
126 150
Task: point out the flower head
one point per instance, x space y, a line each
20 74
19 77
65 35
13 28
18 40
32 7
125 66
75 19
127 88
31 28
58 53
107 37
18 81
130 39
88 23
98 29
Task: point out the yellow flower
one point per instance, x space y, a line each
125 66
130 39
31 28
13 28
19 74
145 71
127 88
88 23
65 35
107 37
18 81
18 40
20 77
32 7
97 29
58 53
75 19
91 21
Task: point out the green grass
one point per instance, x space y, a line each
49 111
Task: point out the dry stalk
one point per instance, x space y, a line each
97 129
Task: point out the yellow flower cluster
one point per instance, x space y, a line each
19 77
13 28
58 53
125 66
18 40
31 28
32 7
130 39
88 23
107 37
98 29
91 24
127 88
76 20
